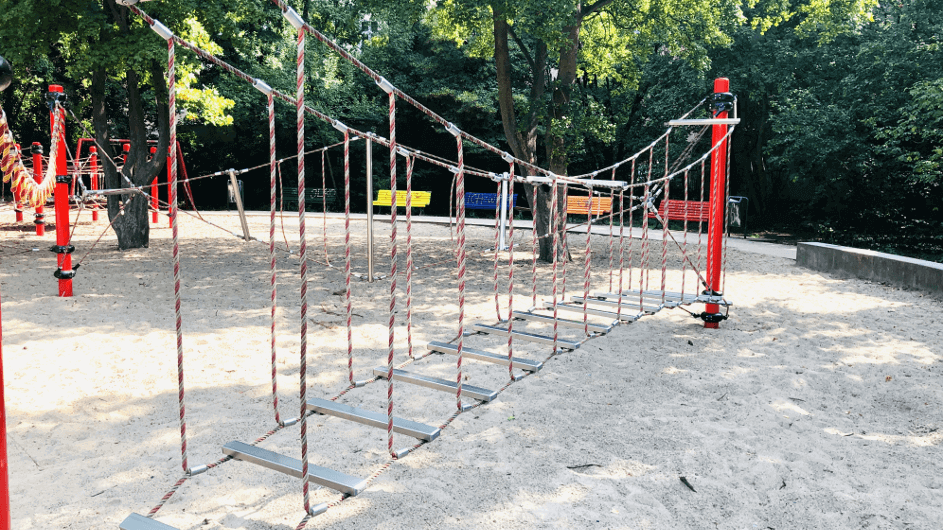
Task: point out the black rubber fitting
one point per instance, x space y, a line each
63 179
62 249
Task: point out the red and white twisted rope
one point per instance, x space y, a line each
511 274
389 359
700 231
409 255
324 206
178 314
535 253
303 254
497 247
586 266
271 250
611 222
621 252
460 191
684 267
350 336
555 228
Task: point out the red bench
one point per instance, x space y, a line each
683 211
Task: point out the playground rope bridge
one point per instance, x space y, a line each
637 282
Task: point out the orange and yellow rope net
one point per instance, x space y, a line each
31 193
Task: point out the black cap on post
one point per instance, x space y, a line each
6 74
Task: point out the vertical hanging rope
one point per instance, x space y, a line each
565 243
586 269
389 358
700 229
631 223
350 335
535 251
271 250
684 250
664 235
409 255
555 227
612 218
178 315
511 274
643 261
621 251
460 191
303 254
723 270
497 244
324 205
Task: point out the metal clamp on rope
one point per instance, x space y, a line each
385 85
711 318
294 18
454 169
55 97
193 471
722 102
262 87
339 126
63 179
65 275
162 30
126 2
453 130
62 249
507 157
402 151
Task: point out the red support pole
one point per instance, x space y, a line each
40 218
17 205
93 180
5 520
718 201
154 202
125 149
61 194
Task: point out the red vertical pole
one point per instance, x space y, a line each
37 151
154 203
5 522
125 149
17 205
62 248
718 199
93 181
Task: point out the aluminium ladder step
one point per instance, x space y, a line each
654 295
609 303
545 319
632 297
373 419
323 476
485 356
626 316
532 337
482 394
139 522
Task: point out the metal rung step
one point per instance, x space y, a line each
485 356
609 303
629 297
436 383
323 476
626 316
139 522
532 337
373 419
545 319
655 295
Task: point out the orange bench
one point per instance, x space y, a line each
581 205
683 211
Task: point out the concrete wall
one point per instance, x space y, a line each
900 271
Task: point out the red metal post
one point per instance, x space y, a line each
155 205
5 520
125 149
718 199
37 151
61 194
93 180
17 205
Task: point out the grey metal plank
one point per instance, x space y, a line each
532 337
485 356
626 316
548 319
653 295
436 383
139 522
373 419
323 476
626 306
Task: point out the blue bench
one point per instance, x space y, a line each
486 201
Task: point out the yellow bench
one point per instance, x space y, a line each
580 205
420 199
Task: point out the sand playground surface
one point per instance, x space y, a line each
816 406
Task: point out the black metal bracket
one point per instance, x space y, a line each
63 179
62 249
722 102
53 97
66 275
712 293
711 318
36 149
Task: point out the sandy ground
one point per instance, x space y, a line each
817 405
